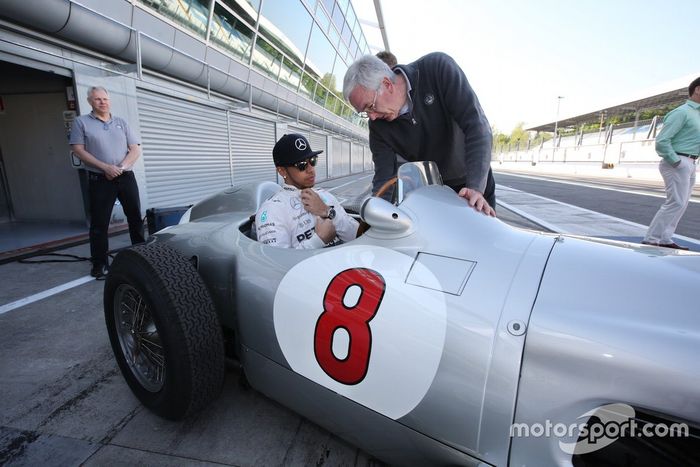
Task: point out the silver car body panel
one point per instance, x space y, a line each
611 324
467 306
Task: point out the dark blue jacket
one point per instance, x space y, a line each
446 124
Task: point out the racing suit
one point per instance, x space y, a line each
282 221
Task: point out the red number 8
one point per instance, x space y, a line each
355 320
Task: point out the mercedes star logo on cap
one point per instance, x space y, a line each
300 144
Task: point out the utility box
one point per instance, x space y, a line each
159 218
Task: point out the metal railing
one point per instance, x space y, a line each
609 146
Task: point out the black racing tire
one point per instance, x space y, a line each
164 330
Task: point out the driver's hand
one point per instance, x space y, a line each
477 201
325 229
313 203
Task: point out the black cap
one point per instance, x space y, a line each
291 149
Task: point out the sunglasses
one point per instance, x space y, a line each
301 165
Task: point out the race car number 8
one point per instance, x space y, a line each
352 368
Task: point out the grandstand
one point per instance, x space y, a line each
620 133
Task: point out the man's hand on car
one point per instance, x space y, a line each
477 201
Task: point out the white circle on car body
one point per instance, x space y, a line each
406 332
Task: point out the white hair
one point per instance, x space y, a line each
368 71
92 89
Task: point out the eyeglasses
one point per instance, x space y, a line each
302 165
369 108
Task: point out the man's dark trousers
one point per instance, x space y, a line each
103 193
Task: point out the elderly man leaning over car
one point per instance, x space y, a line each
299 216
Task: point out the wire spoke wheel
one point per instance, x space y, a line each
139 338
164 330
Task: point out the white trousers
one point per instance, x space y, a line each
679 183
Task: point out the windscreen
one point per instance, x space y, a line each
414 175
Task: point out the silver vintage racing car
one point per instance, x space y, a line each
438 337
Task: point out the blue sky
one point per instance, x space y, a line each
520 55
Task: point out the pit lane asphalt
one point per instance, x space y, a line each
65 403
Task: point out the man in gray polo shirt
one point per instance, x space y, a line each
109 149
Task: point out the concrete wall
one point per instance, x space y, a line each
616 153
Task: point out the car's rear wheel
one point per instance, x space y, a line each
164 330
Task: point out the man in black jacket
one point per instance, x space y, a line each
425 110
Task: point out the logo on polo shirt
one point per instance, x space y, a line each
429 99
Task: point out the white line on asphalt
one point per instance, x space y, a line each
590 185
83 280
348 183
46 293
530 217
571 206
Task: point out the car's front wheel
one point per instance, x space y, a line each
164 330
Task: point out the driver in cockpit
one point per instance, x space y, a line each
300 216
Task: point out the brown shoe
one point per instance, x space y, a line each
673 245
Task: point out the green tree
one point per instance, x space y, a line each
519 137
328 81
500 141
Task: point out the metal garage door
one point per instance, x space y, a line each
185 149
252 140
336 166
369 164
356 158
318 143
345 157
301 131
340 158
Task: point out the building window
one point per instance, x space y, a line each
353 49
333 36
329 5
321 54
287 25
350 17
320 95
266 58
191 14
322 18
254 4
245 10
308 86
347 33
343 5
357 30
339 71
334 103
338 17
230 33
291 74
307 56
